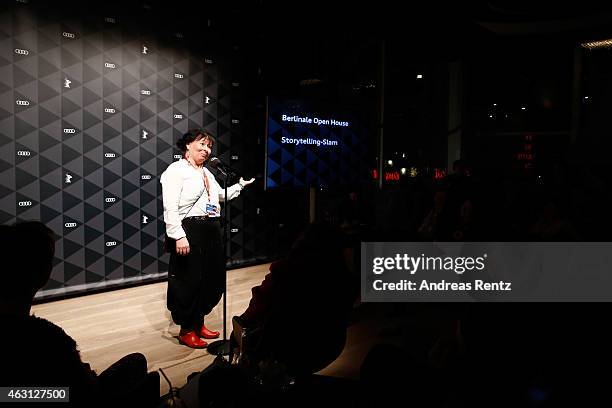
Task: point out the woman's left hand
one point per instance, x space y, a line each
243 183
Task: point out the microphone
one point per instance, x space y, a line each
225 169
216 163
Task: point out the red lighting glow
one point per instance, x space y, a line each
439 174
392 176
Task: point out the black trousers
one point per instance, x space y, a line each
195 281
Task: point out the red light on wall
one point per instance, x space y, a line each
392 176
524 156
375 174
439 174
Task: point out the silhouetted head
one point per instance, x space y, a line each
31 247
459 166
319 242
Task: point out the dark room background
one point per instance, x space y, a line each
93 97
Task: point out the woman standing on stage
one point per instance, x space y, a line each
196 272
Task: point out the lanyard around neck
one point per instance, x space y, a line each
201 170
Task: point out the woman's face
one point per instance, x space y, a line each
199 150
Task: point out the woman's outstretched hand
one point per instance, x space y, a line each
243 183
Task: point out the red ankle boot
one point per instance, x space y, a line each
208 334
191 339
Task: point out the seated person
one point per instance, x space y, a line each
40 353
303 304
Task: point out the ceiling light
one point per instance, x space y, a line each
597 44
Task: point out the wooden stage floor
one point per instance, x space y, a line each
109 325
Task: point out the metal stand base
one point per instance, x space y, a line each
219 348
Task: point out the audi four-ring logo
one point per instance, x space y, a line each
146 177
23 153
21 52
109 110
178 116
179 76
109 65
110 199
109 155
111 243
70 224
68 35
69 130
177 156
145 92
22 103
25 203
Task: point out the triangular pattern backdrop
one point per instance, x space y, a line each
89 113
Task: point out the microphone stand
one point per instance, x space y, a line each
222 347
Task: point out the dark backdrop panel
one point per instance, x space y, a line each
90 109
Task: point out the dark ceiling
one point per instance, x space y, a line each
340 41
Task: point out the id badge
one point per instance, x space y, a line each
212 210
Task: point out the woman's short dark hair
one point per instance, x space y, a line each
195 134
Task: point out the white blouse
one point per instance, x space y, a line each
182 184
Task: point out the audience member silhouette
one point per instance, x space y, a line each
306 296
431 223
40 353
552 225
